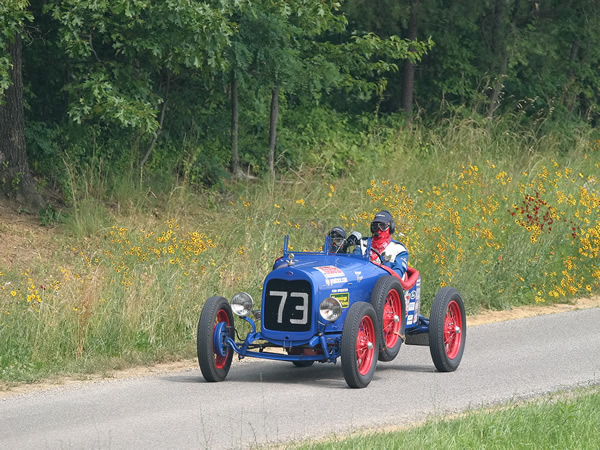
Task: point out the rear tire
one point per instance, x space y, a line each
447 330
359 345
387 299
214 355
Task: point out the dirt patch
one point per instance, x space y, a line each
23 240
530 311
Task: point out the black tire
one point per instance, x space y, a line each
303 363
387 299
214 367
447 330
359 345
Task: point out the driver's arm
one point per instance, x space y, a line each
398 258
400 264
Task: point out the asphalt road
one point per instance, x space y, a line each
266 402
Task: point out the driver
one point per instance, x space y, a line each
337 239
393 252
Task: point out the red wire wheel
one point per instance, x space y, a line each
359 345
388 302
215 325
447 330
453 325
365 350
220 358
392 311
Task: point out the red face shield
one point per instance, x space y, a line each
380 240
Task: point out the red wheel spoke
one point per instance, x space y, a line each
452 330
220 361
365 350
391 310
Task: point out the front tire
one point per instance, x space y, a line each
216 323
387 299
447 330
359 344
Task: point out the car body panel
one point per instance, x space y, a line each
350 278
293 291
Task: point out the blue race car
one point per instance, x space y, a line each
321 306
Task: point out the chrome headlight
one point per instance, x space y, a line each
330 309
241 304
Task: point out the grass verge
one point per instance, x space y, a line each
502 217
562 420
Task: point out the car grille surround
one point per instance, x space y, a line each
287 305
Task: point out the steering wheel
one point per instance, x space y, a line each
379 255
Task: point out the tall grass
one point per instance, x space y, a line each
491 212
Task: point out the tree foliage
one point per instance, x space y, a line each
190 88
13 15
119 49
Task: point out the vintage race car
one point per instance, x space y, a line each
321 306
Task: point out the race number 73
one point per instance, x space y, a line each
300 307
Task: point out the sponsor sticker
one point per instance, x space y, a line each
331 271
418 300
343 297
332 281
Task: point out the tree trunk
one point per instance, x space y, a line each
499 84
15 177
408 86
235 124
499 50
160 123
273 127
566 99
